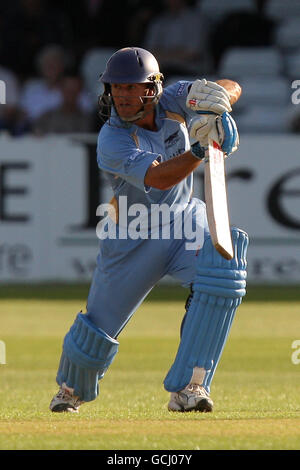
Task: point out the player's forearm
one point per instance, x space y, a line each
167 174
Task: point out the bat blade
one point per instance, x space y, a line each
216 200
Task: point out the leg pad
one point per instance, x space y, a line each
217 292
87 353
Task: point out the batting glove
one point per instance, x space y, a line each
208 96
228 137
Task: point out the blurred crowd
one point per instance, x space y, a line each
53 51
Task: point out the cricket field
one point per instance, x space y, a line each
256 389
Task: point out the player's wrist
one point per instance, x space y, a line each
198 151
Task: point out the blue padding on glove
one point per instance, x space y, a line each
230 133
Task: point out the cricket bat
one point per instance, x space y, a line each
215 186
216 199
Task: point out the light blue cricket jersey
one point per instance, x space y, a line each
125 153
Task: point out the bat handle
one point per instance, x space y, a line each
213 133
206 112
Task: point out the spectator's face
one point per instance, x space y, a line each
52 67
71 89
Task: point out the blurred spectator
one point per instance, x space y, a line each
139 18
97 23
28 26
179 39
44 93
12 120
68 117
242 29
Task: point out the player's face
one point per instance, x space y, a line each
129 98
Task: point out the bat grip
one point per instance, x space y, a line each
206 112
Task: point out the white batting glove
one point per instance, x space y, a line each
201 127
208 96
224 129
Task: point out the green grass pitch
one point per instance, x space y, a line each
255 389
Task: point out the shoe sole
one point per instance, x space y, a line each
203 406
63 408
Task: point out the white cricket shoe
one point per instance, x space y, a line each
65 401
194 397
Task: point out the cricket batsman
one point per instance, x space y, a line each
145 150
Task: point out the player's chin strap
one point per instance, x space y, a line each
139 115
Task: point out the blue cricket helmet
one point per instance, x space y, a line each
132 65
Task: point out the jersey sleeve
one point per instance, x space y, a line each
174 99
118 154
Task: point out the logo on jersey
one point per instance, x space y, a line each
172 139
180 89
133 158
